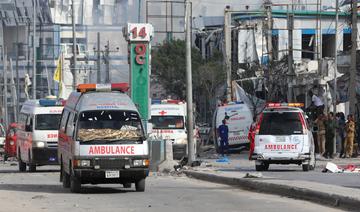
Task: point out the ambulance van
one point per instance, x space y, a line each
102 139
168 119
238 119
37 133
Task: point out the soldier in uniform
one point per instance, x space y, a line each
350 135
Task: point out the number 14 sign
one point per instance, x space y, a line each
139 32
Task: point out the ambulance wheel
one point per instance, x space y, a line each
140 185
259 168
65 179
266 166
306 167
75 184
6 157
127 185
32 168
22 165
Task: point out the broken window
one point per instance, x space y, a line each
308 46
328 45
347 42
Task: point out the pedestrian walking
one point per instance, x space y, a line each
350 135
341 122
320 123
223 131
330 125
251 137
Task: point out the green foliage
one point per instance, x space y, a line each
169 67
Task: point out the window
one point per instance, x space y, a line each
328 45
281 123
308 46
70 125
47 121
108 125
167 122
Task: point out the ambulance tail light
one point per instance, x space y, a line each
302 123
122 87
257 129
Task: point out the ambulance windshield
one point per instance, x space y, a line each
47 121
108 125
167 122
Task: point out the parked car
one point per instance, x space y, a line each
283 136
10 142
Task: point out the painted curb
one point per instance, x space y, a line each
319 197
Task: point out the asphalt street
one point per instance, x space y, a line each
239 162
41 191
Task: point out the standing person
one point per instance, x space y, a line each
320 123
223 131
330 125
317 103
350 135
341 132
251 137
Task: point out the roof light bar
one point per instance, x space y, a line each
285 104
123 87
50 102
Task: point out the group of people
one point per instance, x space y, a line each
327 125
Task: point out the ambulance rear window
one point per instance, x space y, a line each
284 123
167 122
47 121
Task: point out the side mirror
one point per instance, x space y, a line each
28 128
149 128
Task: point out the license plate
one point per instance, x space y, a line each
280 139
112 174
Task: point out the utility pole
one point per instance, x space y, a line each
17 72
5 89
107 62
335 66
290 57
98 62
352 85
269 31
34 50
189 93
227 34
74 47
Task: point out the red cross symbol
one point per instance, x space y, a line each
162 113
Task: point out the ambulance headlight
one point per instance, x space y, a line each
83 163
39 144
140 163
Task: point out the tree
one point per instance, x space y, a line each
169 68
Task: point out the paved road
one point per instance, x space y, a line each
41 191
240 162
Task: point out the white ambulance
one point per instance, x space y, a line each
37 133
168 119
102 139
238 119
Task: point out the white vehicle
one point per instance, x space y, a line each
102 139
168 118
283 137
238 119
37 133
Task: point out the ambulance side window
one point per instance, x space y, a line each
70 125
64 119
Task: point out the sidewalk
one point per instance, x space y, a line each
289 181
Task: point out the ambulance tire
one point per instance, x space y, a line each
22 166
260 167
127 185
32 167
306 167
6 157
140 185
75 184
266 166
65 179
